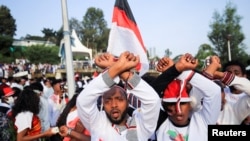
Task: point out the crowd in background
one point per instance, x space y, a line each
155 108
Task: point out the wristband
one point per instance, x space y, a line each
69 131
207 75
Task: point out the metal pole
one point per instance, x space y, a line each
68 52
229 50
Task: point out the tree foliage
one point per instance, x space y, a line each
95 31
33 37
204 51
77 26
49 35
223 27
7 30
42 54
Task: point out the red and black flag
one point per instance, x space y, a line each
125 35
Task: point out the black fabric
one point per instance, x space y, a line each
162 117
123 5
55 81
130 111
37 86
159 85
4 109
161 82
55 137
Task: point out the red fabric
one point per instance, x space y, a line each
36 126
174 90
125 35
7 90
72 124
95 74
120 17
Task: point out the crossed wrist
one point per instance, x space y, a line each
208 74
69 131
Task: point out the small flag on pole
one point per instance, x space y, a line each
61 52
125 35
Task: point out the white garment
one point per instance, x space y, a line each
71 116
200 119
16 85
100 126
55 108
23 121
233 98
44 113
2 72
47 92
172 132
79 84
237 106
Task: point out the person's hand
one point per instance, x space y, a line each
186 62
215 61
127 61
49 132
132 62
211 70
79 127
105 60
164 63
63 131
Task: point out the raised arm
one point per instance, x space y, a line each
87 109
208 91
150 104
105 60
229 79
170 70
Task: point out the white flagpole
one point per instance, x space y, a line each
68 52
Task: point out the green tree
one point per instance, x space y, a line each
7 30
224 26
77 26
41 54
59 36
34 37
49 35
204 51
95 31
177 57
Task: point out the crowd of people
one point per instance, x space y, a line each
119 105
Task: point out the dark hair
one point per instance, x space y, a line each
63 116
46 80
236 63
28 100
55 81
17 91
37 86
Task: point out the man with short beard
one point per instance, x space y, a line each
116 114
113 122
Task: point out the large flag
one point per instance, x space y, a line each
125 35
